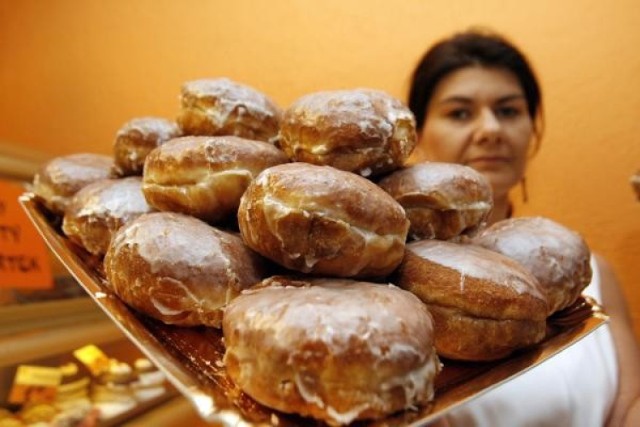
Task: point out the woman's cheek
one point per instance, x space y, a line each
445 144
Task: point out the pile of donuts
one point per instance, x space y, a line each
342 278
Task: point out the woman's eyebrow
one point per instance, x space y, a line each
508 98
456 99
460 99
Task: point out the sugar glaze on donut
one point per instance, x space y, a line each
335 349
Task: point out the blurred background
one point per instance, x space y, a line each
72 72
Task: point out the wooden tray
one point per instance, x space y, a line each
192 357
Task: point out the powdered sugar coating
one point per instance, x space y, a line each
349 108
170 252
114 198
230 95
98 210
372 111
361 130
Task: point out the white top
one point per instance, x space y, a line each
576 388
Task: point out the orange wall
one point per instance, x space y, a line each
71 72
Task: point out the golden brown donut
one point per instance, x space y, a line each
557 256
361 130
484 304
442 200
224 107
205 176
324 221
136 138
60 178
334 349
178 269
98 210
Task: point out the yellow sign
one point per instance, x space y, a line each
35 384
93 358
24 259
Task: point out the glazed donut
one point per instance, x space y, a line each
484 304
333 349
558 257
224 107
98 210
442 200
361 130
205 176
136 138
324 221
178 269
60 178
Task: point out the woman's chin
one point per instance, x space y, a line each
501 185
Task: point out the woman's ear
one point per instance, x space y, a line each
534 146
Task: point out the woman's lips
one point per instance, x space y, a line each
488 161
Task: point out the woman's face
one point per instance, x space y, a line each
478 117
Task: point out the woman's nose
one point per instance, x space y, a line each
488 127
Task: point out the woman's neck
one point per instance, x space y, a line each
501 209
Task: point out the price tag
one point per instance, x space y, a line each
35 384
24 258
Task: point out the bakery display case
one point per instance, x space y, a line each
49 369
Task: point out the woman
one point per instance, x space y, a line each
478 102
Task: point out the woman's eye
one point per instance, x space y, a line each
459 114
507 112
